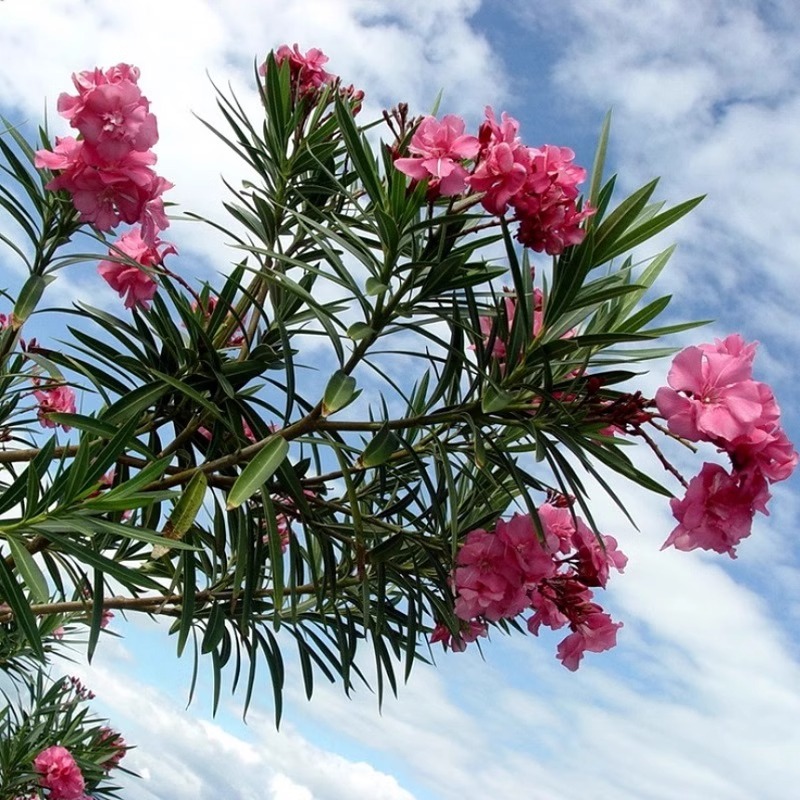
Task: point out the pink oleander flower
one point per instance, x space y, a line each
596 557
113 118
717 511
735 346
489 579
134 281
57 399
60 774
546 209
107 193
438 149
549 227
87 81
108 171
306 71
503 163
533 557
712 397
766 451
595 633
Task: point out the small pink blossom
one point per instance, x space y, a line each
488 324
595 633
134 281
59 399
534 558
711 396
717 511
110 112
767 451
503 163
439 148
107 193
60 774
596 557
546 206
488 578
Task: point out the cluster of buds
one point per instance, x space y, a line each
308 76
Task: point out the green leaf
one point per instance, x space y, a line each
360 153
375 287
29 297
134 403
495 399
28 570
359 330
641 233
379 449
599 161
340 392
19 489
608 233
18 603
184 513
258 471
215 629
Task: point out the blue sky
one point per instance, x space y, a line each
700 698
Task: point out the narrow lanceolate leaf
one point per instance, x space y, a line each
184 513
380 449
375 287
258 471
15 598
599 162
29 297
340 392
134 403
359 330
494 400
28 570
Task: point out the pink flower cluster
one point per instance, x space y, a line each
712 397
60 774
539 184
56 399
502 574
108 170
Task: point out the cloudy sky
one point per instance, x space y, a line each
700 700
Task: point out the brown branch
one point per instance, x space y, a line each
151 604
